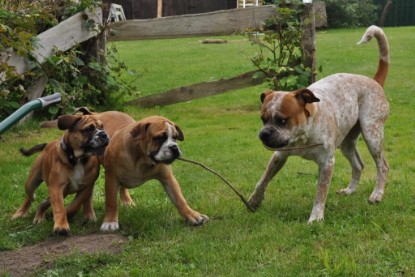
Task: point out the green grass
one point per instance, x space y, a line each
356 239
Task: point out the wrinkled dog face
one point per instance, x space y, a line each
157 137
283 115
87 134
97 140
168 149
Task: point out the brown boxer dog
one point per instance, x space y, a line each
113 121
137 153
67 166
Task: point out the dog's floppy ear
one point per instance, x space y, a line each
265 94
139 130
67 121
306 96
179 131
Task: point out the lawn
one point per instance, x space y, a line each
356 239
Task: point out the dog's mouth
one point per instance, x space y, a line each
167 156
96 145
97 151
272 146
168 161
271 138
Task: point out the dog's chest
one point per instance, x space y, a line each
77 180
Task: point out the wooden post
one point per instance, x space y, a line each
159 8
33 92
385 12
308 40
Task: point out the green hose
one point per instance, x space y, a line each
27 108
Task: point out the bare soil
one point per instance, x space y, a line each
26 260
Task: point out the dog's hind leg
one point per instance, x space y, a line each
32 183
84 199
41 210
349 150
126 198
373 136
276 162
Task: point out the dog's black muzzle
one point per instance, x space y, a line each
270 138
175 153
97 143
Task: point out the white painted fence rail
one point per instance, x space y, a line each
61 37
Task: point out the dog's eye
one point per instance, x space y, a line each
280 121
263 120
89 129
161 138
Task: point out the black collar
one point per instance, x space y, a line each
69 152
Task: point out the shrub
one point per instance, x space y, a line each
351 13
280 52
78 76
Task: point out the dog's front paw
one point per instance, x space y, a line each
254 203
61 231
197 219
346 191
109 226
317 214
375 197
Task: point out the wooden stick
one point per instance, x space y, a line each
223 179
293 148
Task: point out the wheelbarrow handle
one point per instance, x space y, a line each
50 99
27 108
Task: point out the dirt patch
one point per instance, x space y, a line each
27 259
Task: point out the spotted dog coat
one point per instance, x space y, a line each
332 112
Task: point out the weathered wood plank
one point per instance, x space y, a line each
207 24
195 91
62 37
33 92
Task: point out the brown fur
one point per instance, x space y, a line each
62 177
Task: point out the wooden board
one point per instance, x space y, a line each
223 22
195 91
62 37
207 24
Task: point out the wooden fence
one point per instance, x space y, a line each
207 24
61 37
72 31
145 9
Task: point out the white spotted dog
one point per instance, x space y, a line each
331 113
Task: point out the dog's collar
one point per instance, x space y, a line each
69 152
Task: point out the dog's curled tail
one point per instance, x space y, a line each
374 31
34 149
49 124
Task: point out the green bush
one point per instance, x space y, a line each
280 52
76 74
351 13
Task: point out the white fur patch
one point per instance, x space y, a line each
77 178
109 226
165 152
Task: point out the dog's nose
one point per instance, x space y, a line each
175 149
102 136
264 134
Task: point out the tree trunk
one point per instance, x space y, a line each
385 12
308 40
